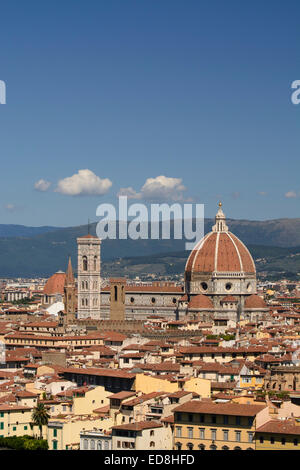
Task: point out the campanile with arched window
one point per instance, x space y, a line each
89 277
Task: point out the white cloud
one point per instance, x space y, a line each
83 183
42 185
161 188
129 192
12 207
290 194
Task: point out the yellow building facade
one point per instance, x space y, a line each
64 434
205 425
149 383
278 435
15 421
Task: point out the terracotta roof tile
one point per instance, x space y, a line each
200 301
280 427
210 407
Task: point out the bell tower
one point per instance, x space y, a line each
70 294
89 263
117 299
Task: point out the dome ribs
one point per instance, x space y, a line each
228 259
205 259
248 263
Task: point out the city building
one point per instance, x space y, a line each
205 425
278 435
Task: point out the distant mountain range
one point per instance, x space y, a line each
41 251
8 230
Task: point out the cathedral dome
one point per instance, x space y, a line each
200 302
220 252
254 301
55 284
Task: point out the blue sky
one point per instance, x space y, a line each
193 90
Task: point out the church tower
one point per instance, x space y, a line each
117 299
70 294
88 277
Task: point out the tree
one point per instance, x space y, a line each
40 417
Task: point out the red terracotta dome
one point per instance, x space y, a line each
220 251
200 301
254 301
55 284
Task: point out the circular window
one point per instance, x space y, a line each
228 286
153 300
204 285
174 301
132 300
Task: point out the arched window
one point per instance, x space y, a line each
92 444
84 263
99 445
85 444
237 448
82 285
86 285
152 444
190 446
82 302
178 445
213 447
225 448
106 445
86 302
95 263
116 293
201 447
